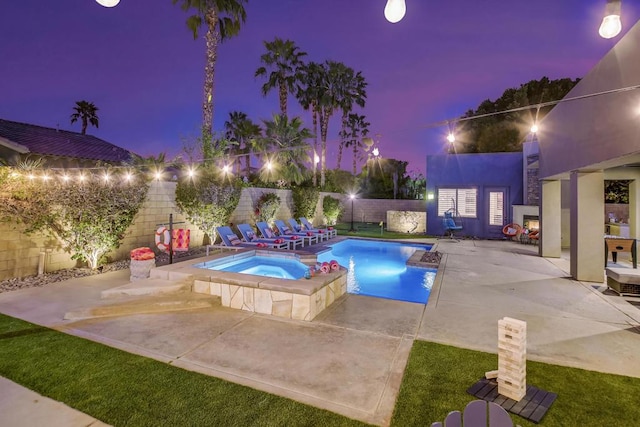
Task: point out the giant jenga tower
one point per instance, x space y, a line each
512 358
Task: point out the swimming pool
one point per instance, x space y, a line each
267 266
379 269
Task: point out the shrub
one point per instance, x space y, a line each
209 200
89 217
331 209
305 200
266 207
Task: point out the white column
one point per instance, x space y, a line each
634 218
550 219
587 229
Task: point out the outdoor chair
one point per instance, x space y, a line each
249 236
266 232
286 231
322 235
476 414
308 226
450 226
231 239
512 231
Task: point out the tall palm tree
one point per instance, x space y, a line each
85 111
307 94
353 91
356 129
241 129
328 101
282 64
223 19
289 141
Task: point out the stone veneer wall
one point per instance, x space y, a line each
407 221
375 210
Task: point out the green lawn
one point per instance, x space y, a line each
372 229
437 377
124 389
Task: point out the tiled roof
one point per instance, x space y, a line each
54 142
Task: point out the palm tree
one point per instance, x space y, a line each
356 129
353 91
329 92
241 129
223 19
289 141
85 111
282 62
307 94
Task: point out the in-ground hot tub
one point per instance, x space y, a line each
257 285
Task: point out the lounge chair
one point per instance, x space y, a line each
286 231
231 239
322 235
266 232
332 232
249 236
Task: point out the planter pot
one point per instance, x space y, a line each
141 269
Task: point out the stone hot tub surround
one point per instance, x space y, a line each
301 299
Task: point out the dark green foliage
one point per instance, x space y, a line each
332 209
266 207
616 191
384 179
505 132
340 181
89 217
305 200
121 389
209 199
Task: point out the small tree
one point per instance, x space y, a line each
89 217
266 207
305 200
332 209
209 200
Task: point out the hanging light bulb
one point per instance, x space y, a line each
269 165
191 172
376 152
451 138
611 25
394 10
534 128
108 3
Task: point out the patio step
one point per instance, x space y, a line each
152 286
146 305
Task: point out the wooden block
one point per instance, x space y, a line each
491 374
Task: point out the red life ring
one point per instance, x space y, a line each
163 239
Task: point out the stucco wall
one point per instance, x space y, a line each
589 131
481 171
375 210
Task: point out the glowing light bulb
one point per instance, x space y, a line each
108 3
394 10
65 178
376 152
316 159
106 177
352 196
611 25
534 128
81 178
269 165
128 176
225 169
45 177
158 175
451 137
31 176
191 172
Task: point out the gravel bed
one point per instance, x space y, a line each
72 273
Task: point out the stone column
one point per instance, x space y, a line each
587 226
550 219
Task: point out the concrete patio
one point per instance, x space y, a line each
350 359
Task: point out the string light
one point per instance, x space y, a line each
451 138
611 25
534 128
395 10
108 3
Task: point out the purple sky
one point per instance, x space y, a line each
140 65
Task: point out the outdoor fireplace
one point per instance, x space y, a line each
531 222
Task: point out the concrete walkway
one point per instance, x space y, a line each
351 358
